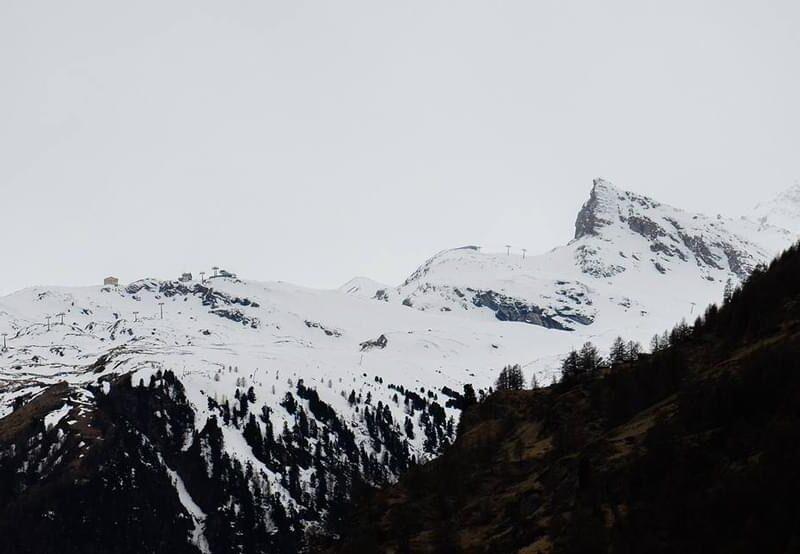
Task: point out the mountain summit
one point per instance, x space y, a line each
602 208
671 235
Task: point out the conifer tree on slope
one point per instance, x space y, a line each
510 378
589 359
618 353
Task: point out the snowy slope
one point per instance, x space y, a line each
782 211
263 327
362 286
225 337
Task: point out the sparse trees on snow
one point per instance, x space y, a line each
510 378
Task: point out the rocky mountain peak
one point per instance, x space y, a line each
615 226
605 205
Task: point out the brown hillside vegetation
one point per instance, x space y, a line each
693 449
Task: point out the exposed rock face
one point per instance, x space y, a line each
672 235
220 303
645 227
380 342
591 262
740 262
236 315
591 217
510 309
211 297
320 326
380 294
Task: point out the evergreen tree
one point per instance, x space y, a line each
569 367
510 378
728 292
589 359
516 379
680 333
469 396
501 383
655 344
618 352
289 403
409 427
252 434
632 351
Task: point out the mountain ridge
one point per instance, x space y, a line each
623 242
280 391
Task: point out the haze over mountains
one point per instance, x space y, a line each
270 389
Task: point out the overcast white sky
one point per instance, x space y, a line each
315 141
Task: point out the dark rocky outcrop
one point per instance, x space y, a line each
506 308
321 327
220 302
380 342
589 220
510 309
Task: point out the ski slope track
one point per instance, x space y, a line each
380 357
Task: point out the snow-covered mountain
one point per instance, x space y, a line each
635 265
305 394
782 211
277 386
